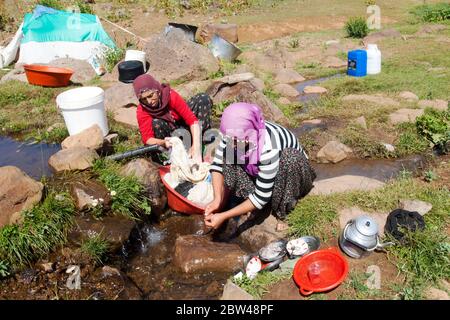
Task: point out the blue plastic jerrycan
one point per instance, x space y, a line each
357 63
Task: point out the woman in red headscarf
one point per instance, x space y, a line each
162 110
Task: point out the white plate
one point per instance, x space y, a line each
253 267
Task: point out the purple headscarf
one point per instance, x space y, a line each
245 121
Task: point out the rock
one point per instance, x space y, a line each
246 92
284 101
147 173
286 90
227 31
270 61
47 267
258 231
313 121
194 254
379 36
127 116
91 138
111 138
234 292
333 152
405 115
375 99
239 77
258 84
348 214
332 42
389 147
78 158
174 58
421 207
314 89
83 70
410 96
282 227
361 121
84 194
288 76
115 229
345 183
120 95
334 62
435 294
440 105
108 271
17 192
192 88
15 75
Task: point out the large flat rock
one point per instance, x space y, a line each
345 183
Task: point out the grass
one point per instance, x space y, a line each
362 144
112 56
435 127
261 283
432 12
129 199
225 7
96 247
356 27
55 4
355 288
409 141
43 228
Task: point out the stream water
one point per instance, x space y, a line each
29 156
306 99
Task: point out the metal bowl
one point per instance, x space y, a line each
309 244
223 49
188 29
273 251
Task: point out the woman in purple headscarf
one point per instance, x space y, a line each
259 161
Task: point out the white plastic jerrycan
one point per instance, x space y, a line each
373 59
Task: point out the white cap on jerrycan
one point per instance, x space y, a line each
373 59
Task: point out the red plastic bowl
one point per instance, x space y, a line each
332 271
179 203
46 76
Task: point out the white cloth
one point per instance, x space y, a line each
201 194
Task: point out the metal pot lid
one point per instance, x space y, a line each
273 251
366 226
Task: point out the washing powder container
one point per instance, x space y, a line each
357 63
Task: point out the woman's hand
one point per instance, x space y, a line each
195 155
215 220
167 143
212 206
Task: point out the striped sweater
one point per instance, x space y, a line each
276 139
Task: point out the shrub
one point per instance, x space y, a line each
55 4
432 12
356 27
435 127
112 56
85 7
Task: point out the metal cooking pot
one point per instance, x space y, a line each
360 237
130 70
223 49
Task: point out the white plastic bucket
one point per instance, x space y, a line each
82 108
136 55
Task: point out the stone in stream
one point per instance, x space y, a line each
91 138
314 90
410 96
87 192
439 105
232 291
347 214
345 183
421 207
175 57
286 90
196 254
17 192
405 115
333 152
78 158
288 76
147 173
115 229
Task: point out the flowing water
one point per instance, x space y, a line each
307 99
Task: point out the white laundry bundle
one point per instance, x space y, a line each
185 169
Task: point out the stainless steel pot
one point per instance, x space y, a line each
223 49
188 29
360 237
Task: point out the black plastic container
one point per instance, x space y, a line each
130 70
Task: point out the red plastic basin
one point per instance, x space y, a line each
332 270
46 76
